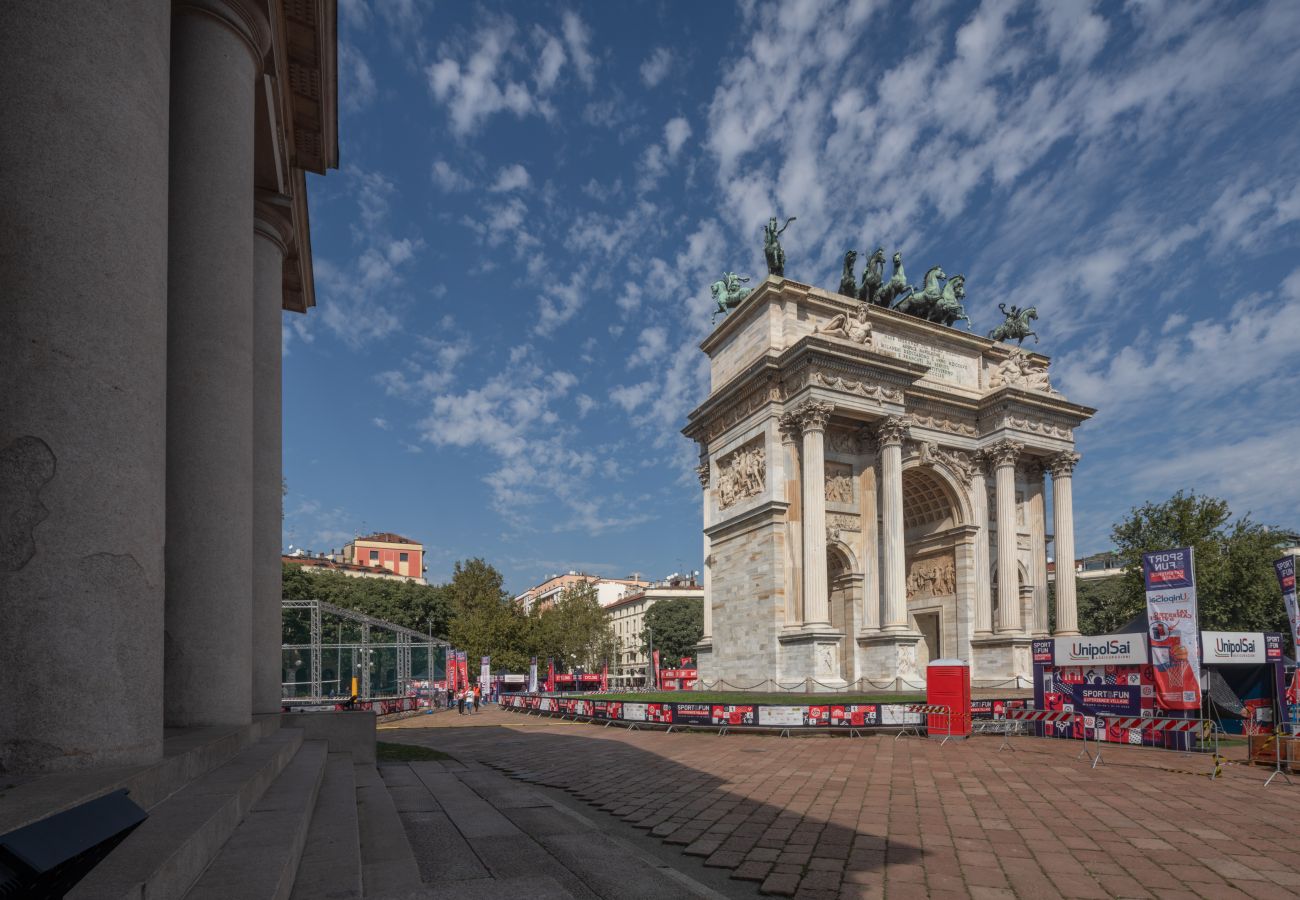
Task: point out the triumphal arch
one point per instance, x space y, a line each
875 495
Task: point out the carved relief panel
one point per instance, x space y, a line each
932 576
742 474
839 483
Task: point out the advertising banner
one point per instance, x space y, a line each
1273 646
532 675
734 715
780 716
693 714
1285 569
485 672
550 674
1232 647
1171 611
1106 649
1043 651
1108 700
655 681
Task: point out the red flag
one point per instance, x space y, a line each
604 676
656 672
550 674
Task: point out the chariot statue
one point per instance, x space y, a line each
897 285
919 302
1016 326
849 281
873 278
772 246
728 293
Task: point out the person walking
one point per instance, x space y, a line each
460 702
478 695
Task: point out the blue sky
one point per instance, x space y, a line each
512 263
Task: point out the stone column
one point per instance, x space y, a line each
1038 541
813 416
983 594
703 470
217 49
868 513
83 282
788 425
1062 468
1004 455
272 232
890 434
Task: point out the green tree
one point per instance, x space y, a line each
678 625
1235 586
486 621
575 631
421 607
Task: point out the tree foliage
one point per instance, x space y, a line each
421 607
486 622
677 624
575 631
1235 586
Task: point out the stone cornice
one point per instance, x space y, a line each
750 518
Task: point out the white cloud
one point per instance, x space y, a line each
576 37
447 178
675 134
380 423
549 62
656 66
480 87
357 89
510 178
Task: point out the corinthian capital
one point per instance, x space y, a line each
1062 464
813 415
788 425
1004 453
892 430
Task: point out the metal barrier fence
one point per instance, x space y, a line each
930 711
1280 731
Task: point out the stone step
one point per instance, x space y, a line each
187 754
330 868
260 859
183 834
388 865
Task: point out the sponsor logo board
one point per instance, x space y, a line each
1232 647
1118 649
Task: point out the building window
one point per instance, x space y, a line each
374 555
404 557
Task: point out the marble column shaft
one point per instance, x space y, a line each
1004 455
1062 467
1038 543
789 428
272 233
704 471
217 48
83 350
894 574
983 561
813 417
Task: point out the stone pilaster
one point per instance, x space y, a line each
1004 455
813 416
889 437
1062 468
705 474
83 348
983 562
272 233
789 428
868 511
217 52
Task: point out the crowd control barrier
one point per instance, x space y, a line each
1279 737
938 718
1207 729
847 718
1019 718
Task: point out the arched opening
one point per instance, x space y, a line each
844 585
932 515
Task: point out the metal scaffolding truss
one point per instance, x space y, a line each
361 652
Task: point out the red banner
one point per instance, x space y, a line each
550 674
656 670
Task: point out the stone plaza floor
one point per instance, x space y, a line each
829 817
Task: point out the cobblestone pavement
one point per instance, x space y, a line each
836 817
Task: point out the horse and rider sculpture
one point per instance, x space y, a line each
938 299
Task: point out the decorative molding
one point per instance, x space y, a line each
767 389
1004 452
839 483
1038 426
857 386
1062 464
946 424
742 474
704 471
844 440
813 415
837 522
892 430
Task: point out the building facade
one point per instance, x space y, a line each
875 496
384 550
545 595
627 622
153 162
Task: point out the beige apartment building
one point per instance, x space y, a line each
627 620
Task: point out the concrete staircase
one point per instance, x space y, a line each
257 813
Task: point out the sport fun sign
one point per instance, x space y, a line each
1170 580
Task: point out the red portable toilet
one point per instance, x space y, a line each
947 683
